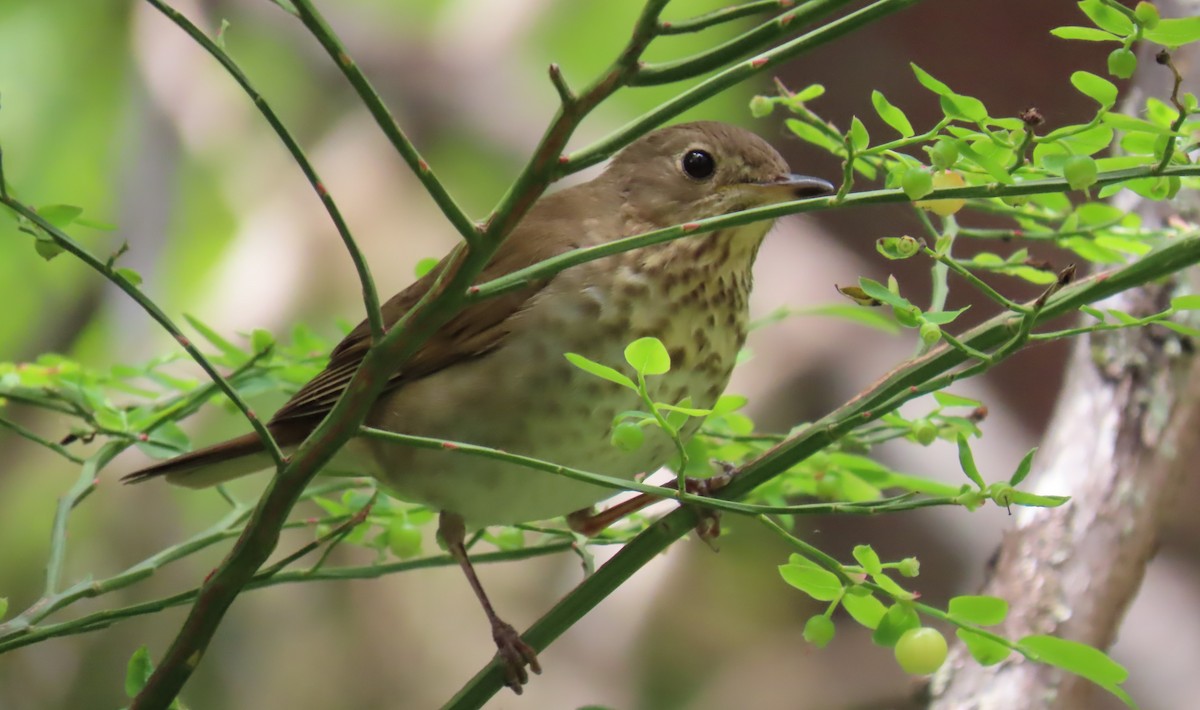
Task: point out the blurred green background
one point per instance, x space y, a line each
108 106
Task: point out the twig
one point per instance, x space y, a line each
320 29
721 16
910 380
366 281
61 239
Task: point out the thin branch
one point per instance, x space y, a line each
320 29
366 281
911 379
737 48
52 445
721 16
740 72
70 245
83 487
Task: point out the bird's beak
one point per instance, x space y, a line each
794 187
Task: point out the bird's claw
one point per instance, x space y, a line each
514 655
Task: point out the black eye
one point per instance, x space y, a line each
698 164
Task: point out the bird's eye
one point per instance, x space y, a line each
699 164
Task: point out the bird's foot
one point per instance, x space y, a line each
708 527
514 655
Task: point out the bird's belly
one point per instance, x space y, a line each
526 398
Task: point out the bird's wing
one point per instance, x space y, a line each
476 330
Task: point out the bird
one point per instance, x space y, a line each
496 374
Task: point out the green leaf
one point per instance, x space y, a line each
899 618
947 399
967 108
1023 468
879 292
816 136
1103 91
855 314
978 610
810 92
1106 18
1181 329
261 340
1036 501
868 558
138 671
1088 34
131 276
943 317
60 216
864 608
929 82
1074 657
424 266
891 115
892 587
967 460
820 584
648 356
1174 33
984 650
1186 303
602 371
859 138
227 348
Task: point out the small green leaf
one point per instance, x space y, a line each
1088 34
892 587
424 266
138 671
929 82
947 399
891 115
60 216
859 138
602 371
820 584
984 650
1190 302
943 317
1036 501
1022 468
1075 657
899 618
648 356
916 182
978 610
1103 91
864 608
227 348
1174 32
868 558
967 460
810 92
1106 18
261 340
855 314
879 292
131 276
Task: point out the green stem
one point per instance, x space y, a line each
320 29
745 44
721 16
740 72
915 378
367 282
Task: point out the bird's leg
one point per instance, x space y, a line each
514 654
590 523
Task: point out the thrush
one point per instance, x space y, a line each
495 375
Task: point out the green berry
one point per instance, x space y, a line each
628 436
819 630
909 567
509 538
943 154
1080 172
1122 63
921 651
404 539
916 183
925 431
1147 15
761 106
930 333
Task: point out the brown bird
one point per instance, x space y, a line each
495 375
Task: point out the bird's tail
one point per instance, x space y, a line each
211 465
